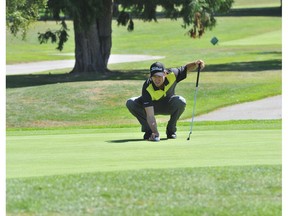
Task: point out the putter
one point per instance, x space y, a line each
195 94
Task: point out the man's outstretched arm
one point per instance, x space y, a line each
152 121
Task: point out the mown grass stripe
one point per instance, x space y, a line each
40 155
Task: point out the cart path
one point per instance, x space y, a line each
33 67
267 108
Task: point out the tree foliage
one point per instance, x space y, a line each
85 10
198 15
20 13
59 36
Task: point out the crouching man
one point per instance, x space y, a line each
158 98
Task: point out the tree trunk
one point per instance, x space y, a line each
93 44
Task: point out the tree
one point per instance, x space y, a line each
92 20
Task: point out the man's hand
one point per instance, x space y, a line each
154 137
152 123
201 63
193 65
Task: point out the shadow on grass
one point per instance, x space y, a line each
126 140
25 80
17 81
255 66
262 11
130 140
265 11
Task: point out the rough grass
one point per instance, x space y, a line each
102 103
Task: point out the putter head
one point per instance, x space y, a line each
156 139
189 135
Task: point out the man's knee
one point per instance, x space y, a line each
183 101
179 102
131 103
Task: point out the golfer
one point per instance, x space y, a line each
158 98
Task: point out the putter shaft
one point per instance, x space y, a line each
195 96
193 112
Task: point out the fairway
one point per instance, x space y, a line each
97 150
274 37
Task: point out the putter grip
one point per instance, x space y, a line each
198 75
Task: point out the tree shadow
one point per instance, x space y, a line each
126 140
25 80
264 11
255 66
17 81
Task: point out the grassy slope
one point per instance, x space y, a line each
95 103
248 47
79 101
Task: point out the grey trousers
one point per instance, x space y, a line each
173 106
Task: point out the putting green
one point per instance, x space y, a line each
82 151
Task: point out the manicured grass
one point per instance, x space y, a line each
74 149
18 50
236 190
255 4
222 170
273 37
93 150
